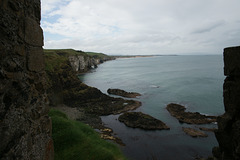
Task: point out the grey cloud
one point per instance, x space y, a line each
209 27
153 26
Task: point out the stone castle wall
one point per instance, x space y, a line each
25 128
228 134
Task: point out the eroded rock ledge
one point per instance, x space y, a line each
193 132
178 111
123 93
143 121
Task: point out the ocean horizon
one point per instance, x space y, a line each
194 81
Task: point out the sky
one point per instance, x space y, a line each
141 27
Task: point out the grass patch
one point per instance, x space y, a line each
76 141
98 55
53 61
65 52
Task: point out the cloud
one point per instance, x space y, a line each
209 27
140 26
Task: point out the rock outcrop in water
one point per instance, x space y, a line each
25 128
193 132
123 93
228 133
178 112
143 121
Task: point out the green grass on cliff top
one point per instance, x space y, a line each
53 61
99 55
72 52
55 57
76 141
65 52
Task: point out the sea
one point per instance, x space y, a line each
195 81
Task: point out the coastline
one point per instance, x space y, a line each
79 101
160 139
137 56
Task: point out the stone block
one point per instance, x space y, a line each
35 59
231 94
33 33
232 61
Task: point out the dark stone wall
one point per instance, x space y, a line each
228 134
25 128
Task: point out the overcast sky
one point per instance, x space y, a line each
142 26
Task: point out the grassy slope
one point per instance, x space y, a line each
65 52
76 141
71 52
99 55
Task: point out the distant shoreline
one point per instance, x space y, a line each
139 56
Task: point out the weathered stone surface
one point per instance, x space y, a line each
228 133
25 128
193 132
143 121
178 111
77 63
123 93
231 61
33 30
35 59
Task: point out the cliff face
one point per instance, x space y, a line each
82 64
25 128
228 134
80 61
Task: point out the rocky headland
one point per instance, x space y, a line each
142 121
65 89
123 93
179 112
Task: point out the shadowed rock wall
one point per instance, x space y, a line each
228 134
25 128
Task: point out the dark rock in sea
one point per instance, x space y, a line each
178 111
208 129
123 93
193 132
107 134
143 121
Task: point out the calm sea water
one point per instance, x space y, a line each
193 81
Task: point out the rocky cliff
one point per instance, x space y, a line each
25 128
81 63
66 88
228 134
79 60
